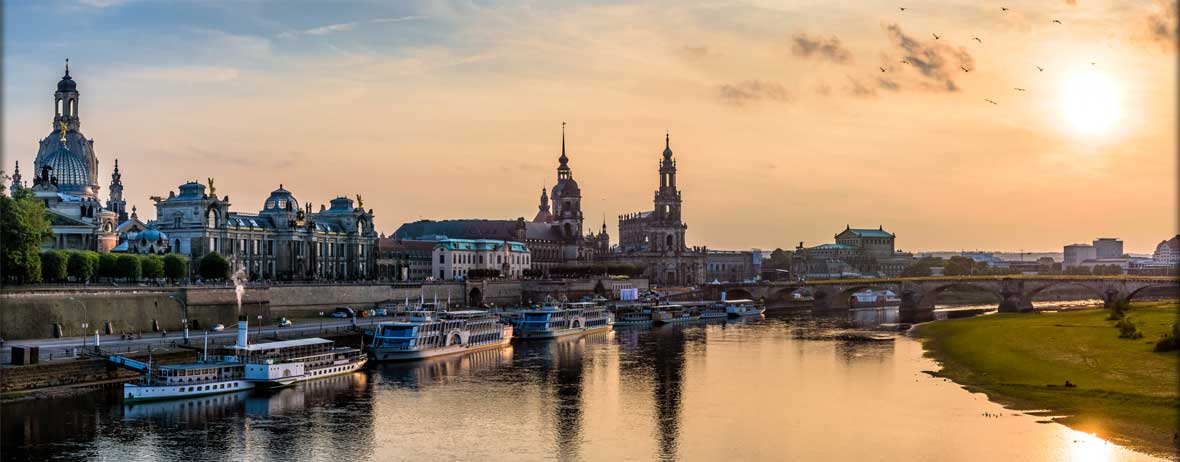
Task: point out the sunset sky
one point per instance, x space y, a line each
784 126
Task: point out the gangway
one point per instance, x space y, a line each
123 361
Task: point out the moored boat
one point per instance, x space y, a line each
633 315
739 308
243 366
554 320
427 335
668 314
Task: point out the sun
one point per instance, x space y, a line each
1091 102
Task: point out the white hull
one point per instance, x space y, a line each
746 312
559 332
392 354
135 392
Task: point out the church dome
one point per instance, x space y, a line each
67 84
566 187
69 168
281 199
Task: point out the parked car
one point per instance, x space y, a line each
380 312
344 312
217 328
284 322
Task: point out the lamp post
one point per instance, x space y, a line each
259 334
321 321
184 326
84 327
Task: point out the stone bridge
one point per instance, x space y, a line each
918 295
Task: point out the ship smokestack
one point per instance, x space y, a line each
243 332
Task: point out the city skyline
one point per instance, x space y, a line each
434 125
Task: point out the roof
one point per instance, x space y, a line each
832 247
248 221
869 232
479 244
285 344
386 244
477 229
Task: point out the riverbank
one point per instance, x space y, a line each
1124 392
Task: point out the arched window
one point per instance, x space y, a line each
668 241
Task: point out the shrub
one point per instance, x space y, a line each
1170 342
82 265
1128 329
152 266
128 267
54 265
1118 310
175 267
108 266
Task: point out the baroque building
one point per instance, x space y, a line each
655 239
66 180
554 236
284 240
857 252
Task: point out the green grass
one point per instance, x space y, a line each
1125 392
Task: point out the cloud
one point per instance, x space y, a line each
858 89
330 28
695 51
189 74
831 48
741 93
103 3
1071 2
347 26
1162 24
823 89
936 62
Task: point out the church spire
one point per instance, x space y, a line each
563 169
17 184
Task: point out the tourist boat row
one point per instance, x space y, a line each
646 314
553 320
243 366
427 334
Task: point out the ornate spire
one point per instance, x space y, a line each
67 67
563 157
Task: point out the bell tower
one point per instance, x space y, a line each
116 203
65 102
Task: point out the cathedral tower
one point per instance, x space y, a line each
567 198
116 203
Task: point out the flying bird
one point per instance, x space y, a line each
1057 21
1018 89
902 8
964 69
936 37
990 101
1039 68
882 69
1004 8
904 62
977 40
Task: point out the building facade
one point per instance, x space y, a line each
1168 252
453 259
655 239
1075 254
66 180
284 240
732 266
405 260
1108 247
857 252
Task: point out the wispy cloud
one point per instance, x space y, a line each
347 26
696 52
830 48
1162 24
188 74
741 93
858 89
937 62
103 3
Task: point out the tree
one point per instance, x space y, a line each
916 270
24 226
779 259
53 265
213 266
82 265
175 267
108 266
128 267
959 266
152 266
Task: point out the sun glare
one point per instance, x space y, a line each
1091 102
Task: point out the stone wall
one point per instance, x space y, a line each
15 379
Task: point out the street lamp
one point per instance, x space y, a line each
259 334
321 321
184 326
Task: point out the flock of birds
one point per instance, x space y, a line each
977 39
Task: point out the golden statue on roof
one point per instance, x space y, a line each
360 202
63 130
211 188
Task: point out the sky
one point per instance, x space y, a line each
1049 123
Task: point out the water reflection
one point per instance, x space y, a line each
787 386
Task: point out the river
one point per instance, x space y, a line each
785 387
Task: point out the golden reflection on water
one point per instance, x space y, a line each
751 390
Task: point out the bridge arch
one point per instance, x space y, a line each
1131 295
1031 294
738 293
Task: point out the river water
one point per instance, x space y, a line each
785 387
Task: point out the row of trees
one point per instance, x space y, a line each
85 266
24 225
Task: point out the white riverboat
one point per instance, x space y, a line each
554 320
739 308
668 314
633 315
426 334
870 298
244 366
712 311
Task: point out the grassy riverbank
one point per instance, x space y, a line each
1125 392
